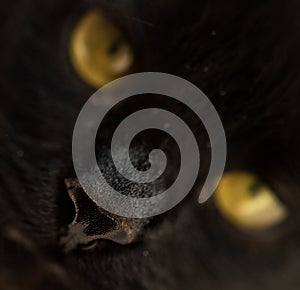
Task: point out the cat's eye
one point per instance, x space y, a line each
248 203
98 51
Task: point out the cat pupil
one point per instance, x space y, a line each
254 187
114 47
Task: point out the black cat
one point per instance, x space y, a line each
242 54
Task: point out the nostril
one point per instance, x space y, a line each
66 210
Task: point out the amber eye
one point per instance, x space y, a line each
98 51
248 203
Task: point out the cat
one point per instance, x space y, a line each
242 54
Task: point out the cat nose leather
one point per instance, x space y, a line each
92 223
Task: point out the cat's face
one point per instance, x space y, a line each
244 56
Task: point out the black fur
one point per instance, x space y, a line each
243 54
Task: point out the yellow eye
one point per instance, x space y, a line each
248 203
98 52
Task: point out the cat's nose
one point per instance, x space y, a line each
92 223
